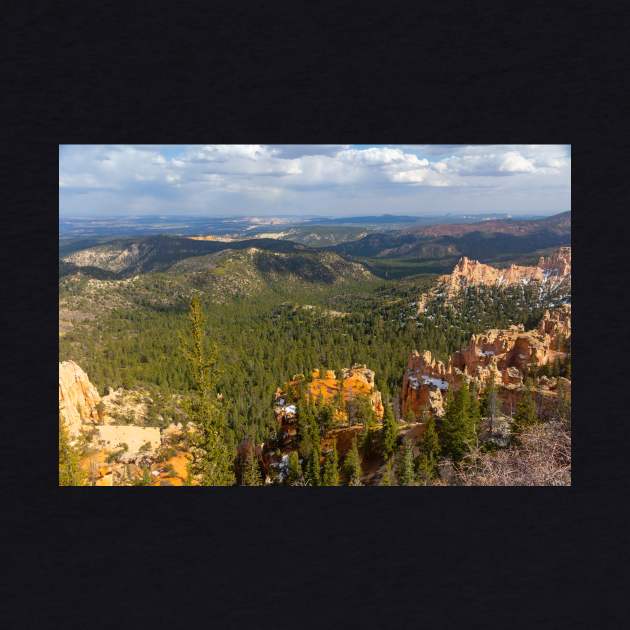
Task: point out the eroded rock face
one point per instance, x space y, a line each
83 410
78 398
504 356
557 325
552 271
558 264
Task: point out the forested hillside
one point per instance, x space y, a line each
289 328
263 312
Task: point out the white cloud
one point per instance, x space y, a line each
381 155
514 162
224 152
207 177
503 160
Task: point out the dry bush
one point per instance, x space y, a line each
542 459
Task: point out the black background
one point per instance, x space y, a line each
351 72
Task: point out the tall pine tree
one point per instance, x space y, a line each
389 433
457 431
475 412
405 466
250 475
331 468
525 414
70 472
313 471
352 465
427 464
490 403
389 476
295 470
212 453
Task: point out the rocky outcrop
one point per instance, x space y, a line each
556 324
78 398
101 470
328 389
558 264
551 271
502 356
353 382
115 452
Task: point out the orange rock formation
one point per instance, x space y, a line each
504 356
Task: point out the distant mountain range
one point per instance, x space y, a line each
122 258
179 225
444 243
481 240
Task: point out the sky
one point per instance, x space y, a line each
221 180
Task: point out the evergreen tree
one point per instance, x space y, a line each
331 468
564 405
70 472
389 433
295 469
325 418
475 411
389 477
405 468
489 402
342 393
457 432
250 475
427 464
352 465
555 371
306 420
314 466
212 452
525 414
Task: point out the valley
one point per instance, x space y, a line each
339 354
